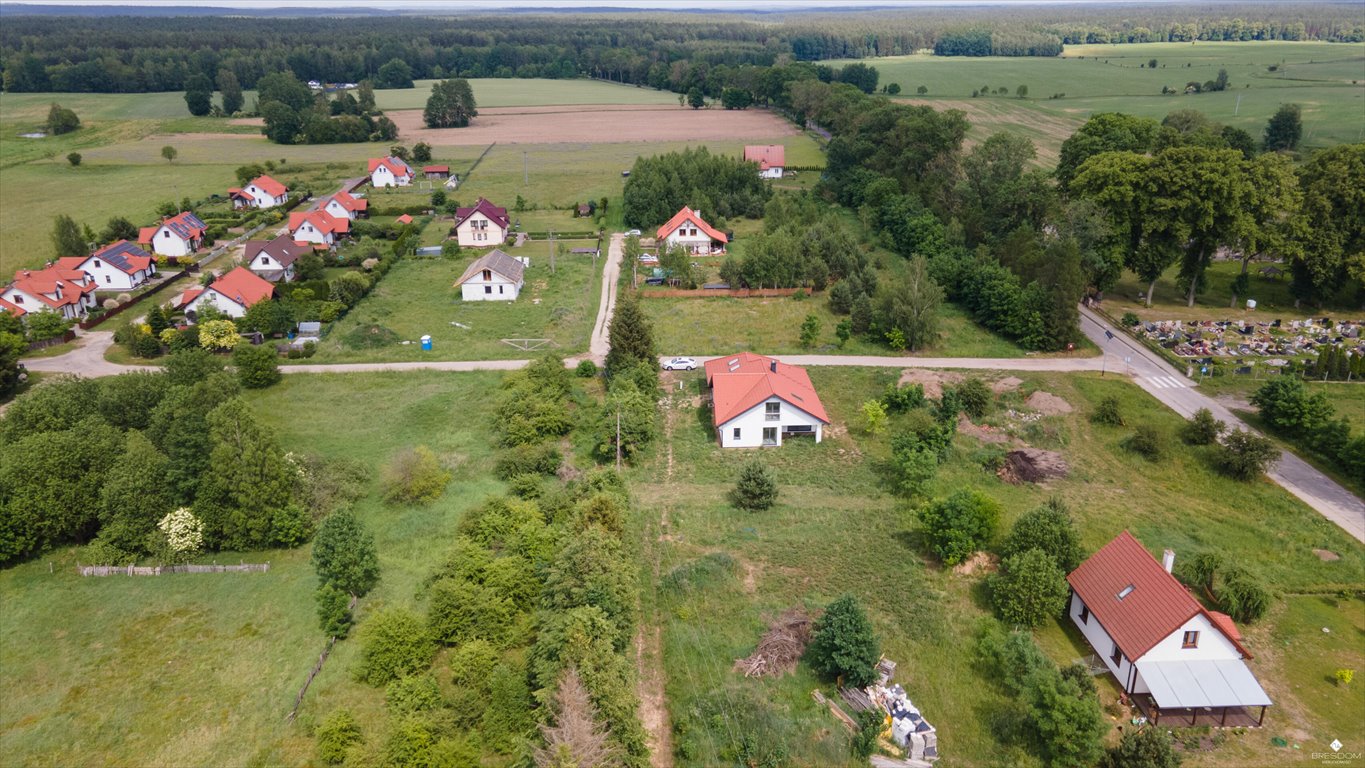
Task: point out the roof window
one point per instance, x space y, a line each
1126 591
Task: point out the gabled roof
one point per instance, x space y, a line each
123 256
321 220
243 286
238 193
184 225
487 209
185 297
346 200
498 262
270 186
55 286
435 169
13 309
1155 606
283 249
404 219
686 215
739 382
395 165
766 155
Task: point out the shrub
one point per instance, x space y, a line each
335 736
1241 594
864 740
874 417
1145 748
1029 589
1344 676
74 158
334 612
1049 528
913 465
959 525
586 369
755 490
844 645
460 611
542 459
1130 319
414 476
899 399
1147 441
1108 413
344 555
1202 428
413 693
145 345
394 643
471 663
217 335
256 366
1245 456
975 397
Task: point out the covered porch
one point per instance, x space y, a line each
1218 693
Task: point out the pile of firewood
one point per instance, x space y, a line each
781 646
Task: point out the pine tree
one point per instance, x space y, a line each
630 336
755 491
134 495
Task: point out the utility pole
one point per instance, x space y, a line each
552 251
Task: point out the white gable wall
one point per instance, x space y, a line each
773 172
383 177
311 234
264 262
109 278
262 199
338 210
1213 644
688 235
479 231
494 288
210 297
752 422
168 243
32 304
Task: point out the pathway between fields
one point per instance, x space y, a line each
611 272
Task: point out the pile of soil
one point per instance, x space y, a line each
1047 404
980 432
932 381
1033 465
981 561
1007 384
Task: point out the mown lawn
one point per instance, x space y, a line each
202 669
1272 295
417 298
837 530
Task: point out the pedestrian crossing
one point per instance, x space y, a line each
1167 382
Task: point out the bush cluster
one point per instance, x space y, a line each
1311 421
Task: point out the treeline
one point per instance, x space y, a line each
984 42
128 55
720 187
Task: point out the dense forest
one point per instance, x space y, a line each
129 55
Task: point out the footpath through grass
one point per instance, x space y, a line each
836 530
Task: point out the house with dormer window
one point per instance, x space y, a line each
758 401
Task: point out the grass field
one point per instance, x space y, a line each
1327 79
835 530
1272 294
201 669
416 298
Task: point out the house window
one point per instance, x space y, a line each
772 411
488 289
770 435
499 289
108 280
487 275
18 299
736 433
1117 656
1190 640
97 263
1085 613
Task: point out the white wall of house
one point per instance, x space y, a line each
774 172
262 199
311 234
489 286
266 265
211 297
689 236
479 231
1212 644
383 177
168 243
110 278
33 305
752 422
1100 640
338 210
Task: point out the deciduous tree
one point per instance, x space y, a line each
843 643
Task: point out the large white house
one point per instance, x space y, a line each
119 266
1177 660
179 235
273 260
262 192
771 159
481 225
495 276
390 172
233 293
757 401
317 227
688 229
68 292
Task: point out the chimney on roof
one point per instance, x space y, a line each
772 366
1168 560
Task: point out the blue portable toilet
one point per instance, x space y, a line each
426 343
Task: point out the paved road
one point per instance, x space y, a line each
86 360
1170 386
611 271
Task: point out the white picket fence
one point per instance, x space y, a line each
158 570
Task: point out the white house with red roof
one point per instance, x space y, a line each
757 401
180 235
688 229
262 192
343 205
495 276
317 227
68 292
232 294
390 172
1177 660
481 225
120 266
771 159
273 260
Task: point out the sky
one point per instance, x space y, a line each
662 5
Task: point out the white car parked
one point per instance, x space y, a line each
633 233
680 364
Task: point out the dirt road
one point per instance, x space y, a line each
611 271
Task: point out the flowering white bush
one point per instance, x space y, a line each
184 532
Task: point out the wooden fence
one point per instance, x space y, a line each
317 667
67 335
158 570
719 293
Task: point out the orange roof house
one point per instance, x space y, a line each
771 159
688 229
757 401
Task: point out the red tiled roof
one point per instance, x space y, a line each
404 219
347 200
145 234
739 382
685 215
322 220
487 209
56 286
243 286
270 186
766 155
238 193
395 165
435 169
185 297
13 309
1157 605
1225 623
